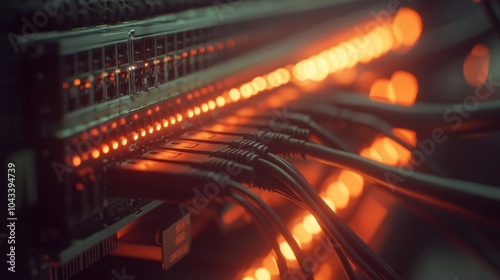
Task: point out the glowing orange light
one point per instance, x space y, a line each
211 104
134 135
76 160
382 91
338 192
77 82
221 101
193 52
259 84
65 85
408 24
123 140
269 262
197 110
95 153
142 131
202 49
105 148
353 181
407 135
234 94
184 54
165 122
178 117
190 113
302 234
114 145
172 120
262 274
158 126
286 251
246 90
476 65
85 156
405 87
204 107
150 129
387 152
310 224
330 203
79 187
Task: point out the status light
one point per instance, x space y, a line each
114 145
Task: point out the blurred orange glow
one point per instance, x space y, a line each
287 251
387 152
405 86
211 104
339 193
476 65
105 148
95 153
234 94
114 145
123 140
329 202
246 90
310 224
301 234
408 23
262 274
259 83
190 113
353 181
407 135
221 101
76 160
269 262
204 107
142 132
383 91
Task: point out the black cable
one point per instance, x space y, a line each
490 11
300 256
322 218
451 194
266 228
451 118
346 265
329 112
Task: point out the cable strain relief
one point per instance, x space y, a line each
282 144
238 155
237 171
250 146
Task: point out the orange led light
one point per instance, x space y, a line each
158 126
114 125
184 54
197 110
95 153
246 90
135 136
259 84
221 101
114 145
105 148
211 104
172 120
76 160
77 82
190 113
65 85
123 140
202 49
85 156
165 122
193 52
311 225
179 117
262 274
204 107
150 129
79 187
287 251
234 94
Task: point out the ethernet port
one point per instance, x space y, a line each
97 62
122 54
83 62
161 47
149 45
138 50
110 56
